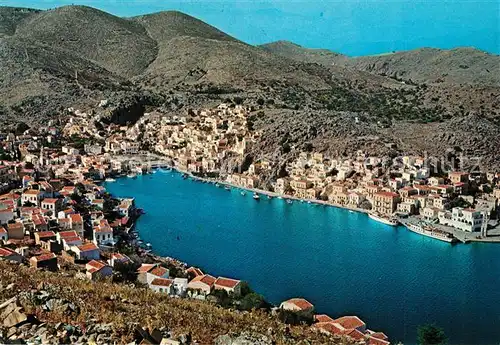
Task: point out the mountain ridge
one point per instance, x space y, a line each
77 55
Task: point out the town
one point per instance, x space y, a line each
55 214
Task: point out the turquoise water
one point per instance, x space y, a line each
352 27
343 262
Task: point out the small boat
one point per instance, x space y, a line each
256 196
280 197
269 197
243 193
288 201
109 179
131 175
149 245
309 201
185 176
227 188
384 220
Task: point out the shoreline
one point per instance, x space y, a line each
462 238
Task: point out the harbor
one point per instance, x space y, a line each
274 244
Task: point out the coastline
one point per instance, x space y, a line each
461 237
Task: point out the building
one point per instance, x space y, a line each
231 286
202 285
4 235
163 285
51 204
87 251
15 230
31 196
46 261
9 254
464 219
97 269
299 308
118 258
385 203
44 236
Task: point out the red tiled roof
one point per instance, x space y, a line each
376 341
226 282
71 240
87 247
350 322
301 303
159 271
322 318
43 257
162 282
4 252
98 265
14 225
68 234
50 201
355 334
387 194
379 335
195 270
145 268
206 279
76 218
44 234
2 230
330 327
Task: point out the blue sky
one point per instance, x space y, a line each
353 27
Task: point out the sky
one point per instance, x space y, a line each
352 27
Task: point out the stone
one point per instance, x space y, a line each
15 318
5 304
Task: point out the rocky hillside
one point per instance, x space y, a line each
41 307
75 56
425 65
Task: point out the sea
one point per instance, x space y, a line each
351 27
341 261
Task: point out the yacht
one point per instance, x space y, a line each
384 220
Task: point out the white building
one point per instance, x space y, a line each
463 219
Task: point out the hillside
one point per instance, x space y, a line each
296 52
111 313
426 65
119 45
74 56
460 65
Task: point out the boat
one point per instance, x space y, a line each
243 193
431 232
256 196
227 188
131 175
269 197
109 179
280 197
384 220
288 201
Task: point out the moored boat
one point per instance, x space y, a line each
431 232
109 179
227 188
256 196
243 193
387 221
131 175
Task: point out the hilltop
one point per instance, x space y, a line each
74 56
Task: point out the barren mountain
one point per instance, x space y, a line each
426 65
76 55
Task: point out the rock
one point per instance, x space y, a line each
8 302
185 338
15 318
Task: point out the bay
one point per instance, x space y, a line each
341 261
